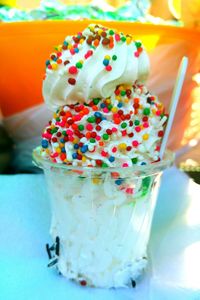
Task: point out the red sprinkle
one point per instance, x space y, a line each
160 133
135 143
72 81
108 68
73 70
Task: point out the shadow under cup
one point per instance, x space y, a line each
101 219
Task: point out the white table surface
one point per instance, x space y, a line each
174 245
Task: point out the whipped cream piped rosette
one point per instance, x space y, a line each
122 130
91 64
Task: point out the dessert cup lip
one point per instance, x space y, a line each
156 167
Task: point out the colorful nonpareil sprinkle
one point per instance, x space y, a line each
94 36
103 133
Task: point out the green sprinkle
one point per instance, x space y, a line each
134 160
111 32
57 119
91 119
123 93
92 140
137 122
138 44
64 133
96 101
54 130
104 165
114 57
81 127
146 111
79 65
105 136
110 106
123 39
123 125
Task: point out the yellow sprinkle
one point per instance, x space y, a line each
154 111
83 159
58 150
76 140
114 110
100 31
61 145
55 116
122 146
128 40
126 100
59 48
81 61
96 180
65 160
145 136
141 106
54 66
47 151
70 46
79 151
118 98
108 100
91 28
107 56
81 41
121 87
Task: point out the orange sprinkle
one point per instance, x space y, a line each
59 61
88 135
96 43
95 108
101 144
86 111
74 126
111 45
62 156
136 100
117 121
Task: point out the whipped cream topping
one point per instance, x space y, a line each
91 64
119 131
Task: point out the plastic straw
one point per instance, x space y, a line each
174 101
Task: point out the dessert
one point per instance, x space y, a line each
100 155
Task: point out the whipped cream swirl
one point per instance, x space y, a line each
91 64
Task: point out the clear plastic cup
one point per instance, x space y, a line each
101 220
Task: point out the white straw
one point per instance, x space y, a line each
174 101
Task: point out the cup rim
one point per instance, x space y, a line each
155 167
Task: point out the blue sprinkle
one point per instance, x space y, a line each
55 58
47 62
106 62
74 155
76 146
102 105
62 141
63 150
76 50
111 158
118 181
119 104
143 163
84 148
65 43
98 114
45 143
